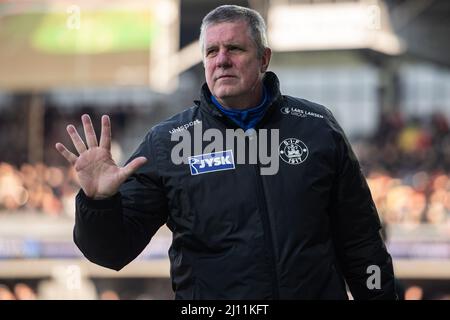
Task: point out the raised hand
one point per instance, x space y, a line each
98 174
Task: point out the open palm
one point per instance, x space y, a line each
98 174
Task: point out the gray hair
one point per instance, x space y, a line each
233 13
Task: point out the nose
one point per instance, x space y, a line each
223 59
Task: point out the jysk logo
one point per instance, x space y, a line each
209 162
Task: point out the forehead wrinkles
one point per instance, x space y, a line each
226 33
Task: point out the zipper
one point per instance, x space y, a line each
268 238
262 203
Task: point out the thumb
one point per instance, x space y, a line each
131 167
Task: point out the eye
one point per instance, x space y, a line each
210 52
234 48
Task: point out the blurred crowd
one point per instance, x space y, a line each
420 197
404 145
406 162
63 286
23 291
37 188
20 291
416 197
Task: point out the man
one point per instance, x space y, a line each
296 233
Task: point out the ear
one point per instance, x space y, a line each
265 60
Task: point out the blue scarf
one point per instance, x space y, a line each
248 118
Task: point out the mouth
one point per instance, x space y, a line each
225 77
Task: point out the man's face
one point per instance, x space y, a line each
233 70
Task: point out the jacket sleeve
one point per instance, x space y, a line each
361 252
114 231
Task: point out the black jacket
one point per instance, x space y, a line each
238 234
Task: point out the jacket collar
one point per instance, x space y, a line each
270 81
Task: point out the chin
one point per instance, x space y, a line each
225 93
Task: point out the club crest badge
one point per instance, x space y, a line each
293 151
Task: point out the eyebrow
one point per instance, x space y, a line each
211 47
227 45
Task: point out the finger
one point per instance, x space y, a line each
105 137
131 167
76 139
66 153
89 132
